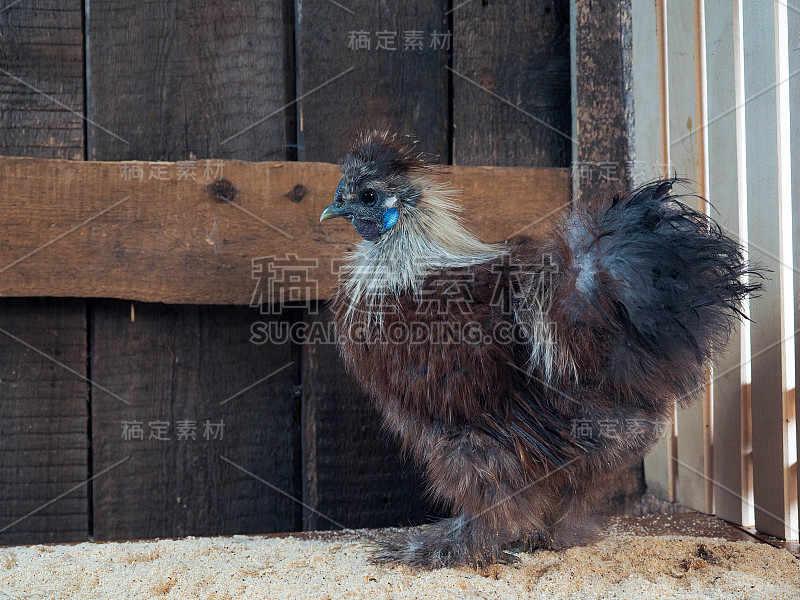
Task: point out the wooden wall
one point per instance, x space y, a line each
250 80
719 105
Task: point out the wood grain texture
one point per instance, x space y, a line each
405 88
170 241
41 79
43 421
511 83
687 160
651 151
178 364
602 126
602 102
178 79
727 193
767 197
43 406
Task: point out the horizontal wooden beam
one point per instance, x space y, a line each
198 232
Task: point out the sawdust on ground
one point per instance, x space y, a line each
245 567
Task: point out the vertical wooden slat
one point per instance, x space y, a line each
687 159
602 98
354 482
181 81
178 363
512 112
602 122
176 79
344 91
793 28
43 410
651 155
768 198
43 421
727 193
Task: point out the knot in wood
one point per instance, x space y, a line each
297 193
222 190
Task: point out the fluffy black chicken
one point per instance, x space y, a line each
501 367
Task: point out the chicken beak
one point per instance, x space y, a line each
332 211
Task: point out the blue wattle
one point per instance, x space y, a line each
390 218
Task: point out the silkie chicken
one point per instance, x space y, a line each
500 367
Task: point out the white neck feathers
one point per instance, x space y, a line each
428 236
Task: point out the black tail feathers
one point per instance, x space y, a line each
667 275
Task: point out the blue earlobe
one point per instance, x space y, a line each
390 218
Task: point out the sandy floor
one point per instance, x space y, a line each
621 566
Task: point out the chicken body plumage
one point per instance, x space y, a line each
525 377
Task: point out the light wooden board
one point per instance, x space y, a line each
794 141
727 193
89 230
651 157
687 159
766 196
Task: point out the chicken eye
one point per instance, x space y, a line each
368 197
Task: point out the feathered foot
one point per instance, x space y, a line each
458 541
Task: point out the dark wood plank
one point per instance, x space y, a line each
41 81
178 363
43 421
176 80
91 233
602 96
181 81
602 107
351 470
511 83
43 406
353 473
405 89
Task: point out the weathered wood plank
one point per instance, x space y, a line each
352 471
43 409
602 101
170 241
727 193
175 80
511 83
43 421
178 364
768 198
602 126
41 79
344 88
